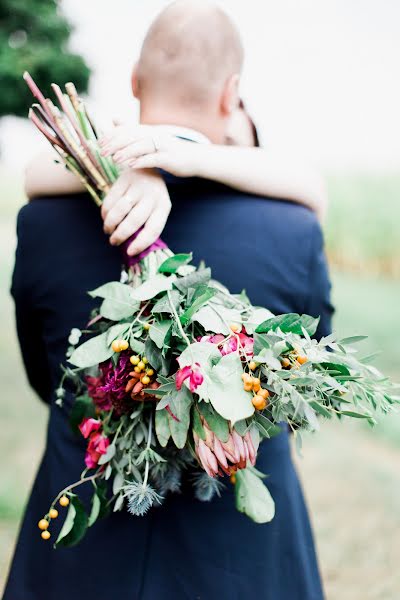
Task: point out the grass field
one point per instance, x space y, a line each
350 474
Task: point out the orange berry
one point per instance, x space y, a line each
285 362
64 501
150 372
302 359
234 327
259 402
146 326
263 393
137 369
233 478
45 535
145 360
141 365
146 380
43 524
253 366
256 384
115 346
124 345
135 360
248 387
53 513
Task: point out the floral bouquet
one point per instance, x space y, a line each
177 380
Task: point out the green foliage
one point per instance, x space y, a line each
252 496
75 524
34 36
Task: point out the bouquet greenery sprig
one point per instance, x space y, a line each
178 380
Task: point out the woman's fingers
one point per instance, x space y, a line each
120 137
151 231
157 160
120 209
134 150
136 218
118 190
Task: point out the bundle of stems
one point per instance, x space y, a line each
69 129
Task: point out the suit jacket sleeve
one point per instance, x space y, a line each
28 315
319 297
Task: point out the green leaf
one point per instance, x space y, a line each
136 345
162 427
290 323
108 455
257 316
82 408
266 427
334 368
321 409
352 340
216 318
116 331
153 354
199 277
172 264
196 422
91 353
355 415
95 511
163 305
197 304
118 303
75 524
159 332
253 498
216 423
180 405
226 391
152 287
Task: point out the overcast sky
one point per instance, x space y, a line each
321 76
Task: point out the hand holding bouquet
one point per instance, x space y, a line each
180 380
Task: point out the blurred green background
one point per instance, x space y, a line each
350 474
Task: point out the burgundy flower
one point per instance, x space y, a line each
192 373
98 444
88 426
99 396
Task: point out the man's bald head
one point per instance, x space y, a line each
190 52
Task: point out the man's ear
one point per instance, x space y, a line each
230 95
135 81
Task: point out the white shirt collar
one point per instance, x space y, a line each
186 133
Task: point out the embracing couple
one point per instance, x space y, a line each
193 170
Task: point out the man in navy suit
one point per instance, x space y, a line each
185 549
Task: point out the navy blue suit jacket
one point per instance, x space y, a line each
185 549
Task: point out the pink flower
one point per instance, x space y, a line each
193 374
88 426
217 457
98 444
237 341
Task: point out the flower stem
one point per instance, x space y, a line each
146 473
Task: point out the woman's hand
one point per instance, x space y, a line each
145 147
137 199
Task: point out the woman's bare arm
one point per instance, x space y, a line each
45 177
251 170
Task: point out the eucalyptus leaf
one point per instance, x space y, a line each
226 391
152 287
117 303
199 277
180 405
95 510
172 264
75 524
94 351
253 497
163 431
160 331
289 323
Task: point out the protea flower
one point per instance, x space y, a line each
219 458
